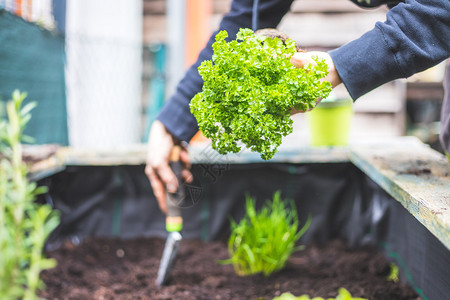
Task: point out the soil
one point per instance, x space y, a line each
104 268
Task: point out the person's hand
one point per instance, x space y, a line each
302 59
162 179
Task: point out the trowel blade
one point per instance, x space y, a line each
168 257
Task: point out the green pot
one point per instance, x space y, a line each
329 122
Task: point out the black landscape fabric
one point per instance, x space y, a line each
117 201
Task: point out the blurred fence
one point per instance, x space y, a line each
103 81
86 77
104 72
32 60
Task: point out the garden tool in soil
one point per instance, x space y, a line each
174 221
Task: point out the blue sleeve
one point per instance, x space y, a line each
175 115
414 37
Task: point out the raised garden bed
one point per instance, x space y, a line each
105 268
375 197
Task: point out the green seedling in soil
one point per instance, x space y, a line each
263 240
25 224
249 90
343 295
393 273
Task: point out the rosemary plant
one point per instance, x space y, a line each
24 224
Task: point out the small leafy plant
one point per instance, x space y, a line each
393 273
249 90
264 240
343 295
24 224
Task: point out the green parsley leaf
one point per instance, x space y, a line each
249 90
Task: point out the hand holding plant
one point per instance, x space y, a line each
250 88
264 240
303 59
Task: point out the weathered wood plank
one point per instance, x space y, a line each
329 6
328 30
155 29
42 160
221 6
127 155
425 91
416 176
327 23
200 153
322 30
203 153
306 6
154 7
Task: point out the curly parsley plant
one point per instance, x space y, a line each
249 90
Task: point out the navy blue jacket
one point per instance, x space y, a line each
414 37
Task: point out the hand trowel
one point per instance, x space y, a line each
174 221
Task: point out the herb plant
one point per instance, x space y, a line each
249 90
25 224
393 273
343 295
263 240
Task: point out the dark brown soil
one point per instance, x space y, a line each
117 269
